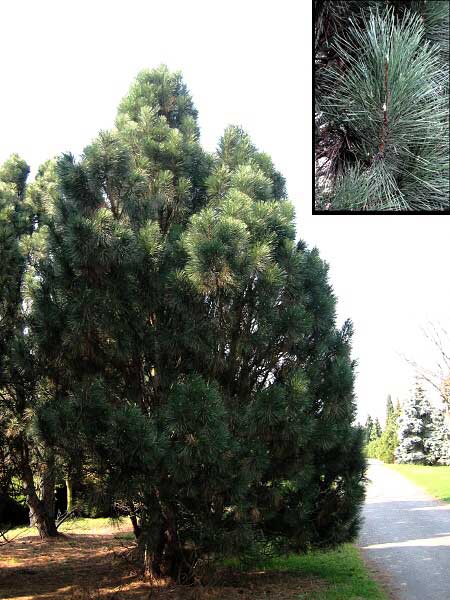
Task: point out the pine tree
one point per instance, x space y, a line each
382 105
194 343
415 429
20 380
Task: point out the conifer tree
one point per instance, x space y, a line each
373 441
389 408
20 378
193 341
376 430
388 441
415 429
439 442
382 105
368 429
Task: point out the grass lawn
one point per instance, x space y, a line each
343 571
78 525
85 564
435 480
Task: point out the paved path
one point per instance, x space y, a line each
406 536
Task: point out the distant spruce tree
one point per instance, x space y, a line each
439 442
415 429
193 341
381 105
368 429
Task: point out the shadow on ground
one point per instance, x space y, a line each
94 567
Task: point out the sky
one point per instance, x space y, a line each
66 65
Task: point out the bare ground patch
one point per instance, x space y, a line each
91 566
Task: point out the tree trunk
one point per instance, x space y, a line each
69 491
168 558
72 480
31 517
44 522
134 521
156 563
48 486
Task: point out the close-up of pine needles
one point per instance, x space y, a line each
381 105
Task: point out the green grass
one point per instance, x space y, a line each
435 480
78 525
343 570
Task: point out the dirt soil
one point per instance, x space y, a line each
95 565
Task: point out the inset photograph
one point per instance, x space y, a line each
381 122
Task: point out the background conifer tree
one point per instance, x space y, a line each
373 441
376 430
382 105
368 429
388 441
415 429
389 407
439 442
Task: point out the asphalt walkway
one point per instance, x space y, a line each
406 536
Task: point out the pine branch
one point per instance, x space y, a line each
389 100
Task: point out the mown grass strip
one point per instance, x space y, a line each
343 570
434 480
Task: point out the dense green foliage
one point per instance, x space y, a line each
382 105
384 444
24 452
188 351
389 438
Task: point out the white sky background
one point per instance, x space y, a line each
66 65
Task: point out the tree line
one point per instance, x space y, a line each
168 349
416 432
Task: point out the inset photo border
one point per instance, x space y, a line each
381 107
